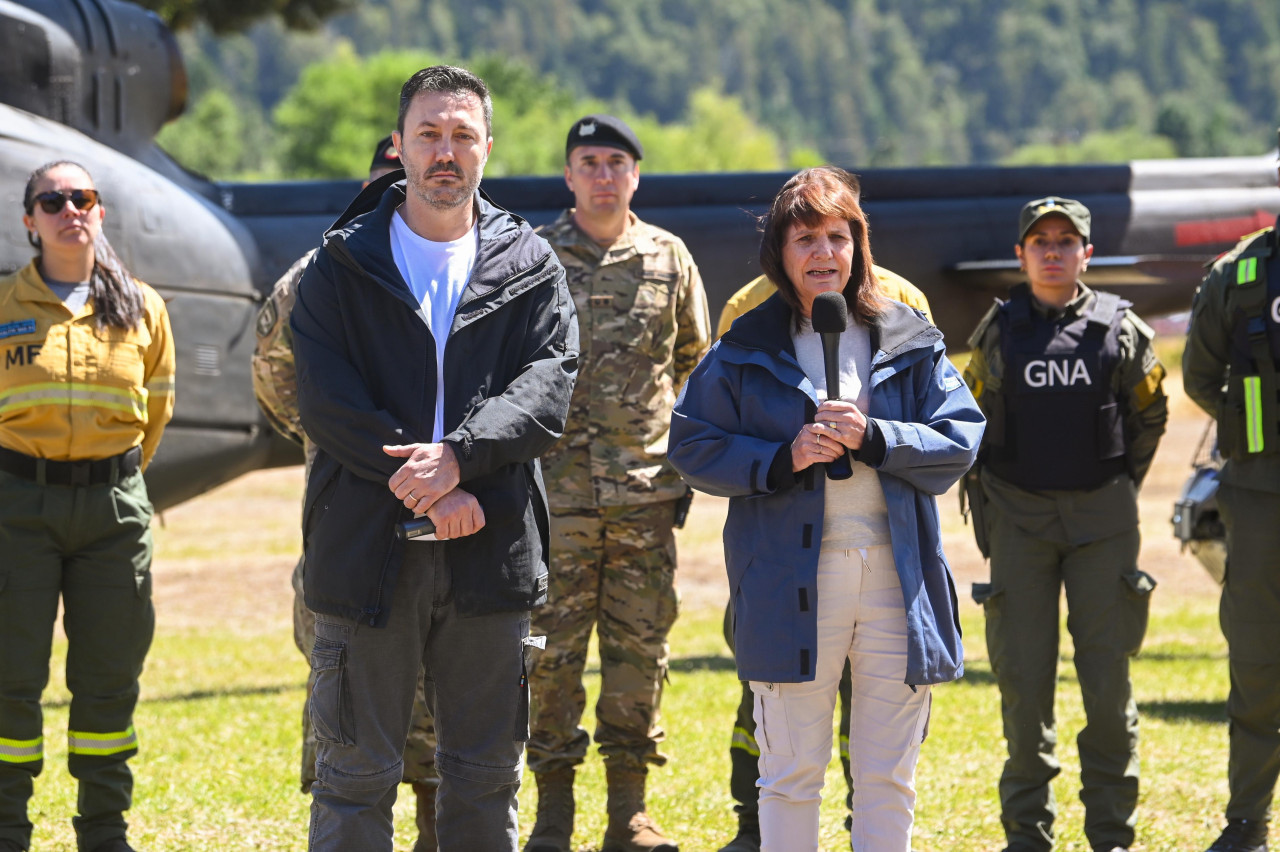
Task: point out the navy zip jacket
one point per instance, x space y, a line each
731 435
367 377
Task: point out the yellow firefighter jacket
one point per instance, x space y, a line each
72 391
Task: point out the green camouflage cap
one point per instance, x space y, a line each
1034 211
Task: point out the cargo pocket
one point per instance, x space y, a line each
130 503
1137 601
772 732
330 705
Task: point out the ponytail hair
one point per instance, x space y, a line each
117 298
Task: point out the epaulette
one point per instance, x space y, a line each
1142 328
981 330
1247 242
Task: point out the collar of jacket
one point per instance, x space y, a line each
361 240
899 336
29 286
637 239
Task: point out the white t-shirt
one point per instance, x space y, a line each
436 273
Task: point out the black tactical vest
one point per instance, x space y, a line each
1250 424
1063 425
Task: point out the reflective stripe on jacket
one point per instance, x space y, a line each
69 390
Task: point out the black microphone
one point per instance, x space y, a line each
830 317
498 506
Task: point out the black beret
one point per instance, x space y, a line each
603 130
385 156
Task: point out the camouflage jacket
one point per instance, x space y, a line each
275 379
644 326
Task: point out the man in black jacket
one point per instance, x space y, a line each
408 426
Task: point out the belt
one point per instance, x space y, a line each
108 471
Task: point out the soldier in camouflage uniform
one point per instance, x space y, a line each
613 497
275 385
1071 388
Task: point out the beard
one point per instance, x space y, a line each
446 197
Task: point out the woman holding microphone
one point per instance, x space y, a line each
823 569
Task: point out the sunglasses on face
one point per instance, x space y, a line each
53 201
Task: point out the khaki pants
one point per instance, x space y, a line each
861 618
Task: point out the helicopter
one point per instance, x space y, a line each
95 80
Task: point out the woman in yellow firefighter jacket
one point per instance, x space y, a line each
86 387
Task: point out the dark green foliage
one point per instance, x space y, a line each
227 16
864 82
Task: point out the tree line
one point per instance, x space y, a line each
743 84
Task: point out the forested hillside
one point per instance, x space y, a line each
861 82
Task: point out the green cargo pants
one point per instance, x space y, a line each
1250 615
1107 604
91 546
419 750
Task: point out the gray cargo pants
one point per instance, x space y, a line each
366 680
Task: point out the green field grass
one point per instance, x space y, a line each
222 694
219 730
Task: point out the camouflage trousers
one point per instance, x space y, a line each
419 751
614 569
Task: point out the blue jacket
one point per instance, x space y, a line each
731 434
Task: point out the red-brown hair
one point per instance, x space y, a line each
809 197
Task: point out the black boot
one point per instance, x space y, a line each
115 844
748 838
1242 835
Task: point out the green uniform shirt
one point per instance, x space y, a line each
1207 355
644 326
1077 517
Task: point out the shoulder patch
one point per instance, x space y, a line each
267 317
13 329
1247 242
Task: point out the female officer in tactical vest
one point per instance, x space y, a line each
1072 393
85 392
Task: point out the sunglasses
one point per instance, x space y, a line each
53 201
